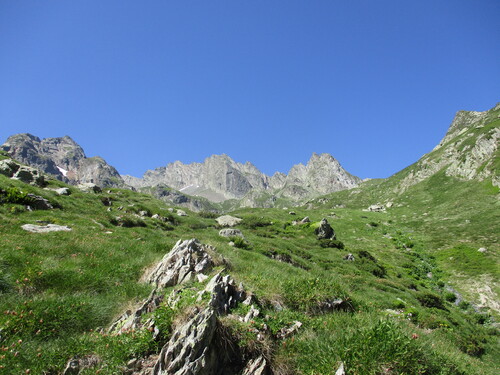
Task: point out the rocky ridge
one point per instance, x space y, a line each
220 178
63 158
468 151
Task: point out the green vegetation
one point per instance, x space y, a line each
407 304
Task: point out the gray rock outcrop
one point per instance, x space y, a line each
62 158
183 262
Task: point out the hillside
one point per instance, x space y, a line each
393 309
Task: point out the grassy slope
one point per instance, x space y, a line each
57 288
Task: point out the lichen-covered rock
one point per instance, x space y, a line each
228 221
184 261
230 232
224 294
325 231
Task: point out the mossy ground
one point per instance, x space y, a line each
58 289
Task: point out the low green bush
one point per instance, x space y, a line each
334 244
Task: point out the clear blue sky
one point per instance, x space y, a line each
144 83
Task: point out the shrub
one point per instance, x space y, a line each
208 214
450 297
15 196
240 243
430 300
252 222
335 244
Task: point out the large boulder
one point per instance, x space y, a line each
183 262
325 231
228 221
89 187
39 203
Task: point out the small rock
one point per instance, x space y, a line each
482 250
340 370
253 313
292 213
143 213
63 191
89 187
232 244
181 213
229 232
228 221
256 366
286 332
201 277
349 257
170 209
45 228
305 220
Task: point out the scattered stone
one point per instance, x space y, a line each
482 250
292 213
228 221
305 220
229 232
181 213
232 244
170 209
375 208
75 364
288 331
143 213
389 204
201 277
253 313
45 228
63 191
184 261
349 257
340 370
89 187
325 231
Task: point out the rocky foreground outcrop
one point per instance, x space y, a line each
196 346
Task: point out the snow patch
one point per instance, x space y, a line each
63 171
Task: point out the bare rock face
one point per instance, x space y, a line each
62 158
45 228
184 261
220 178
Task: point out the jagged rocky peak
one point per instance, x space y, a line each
63 158
468 151
323 174
220 178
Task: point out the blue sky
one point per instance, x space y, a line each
144 83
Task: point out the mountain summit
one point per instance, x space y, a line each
220 178
63 158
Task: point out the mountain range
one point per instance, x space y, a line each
469 150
